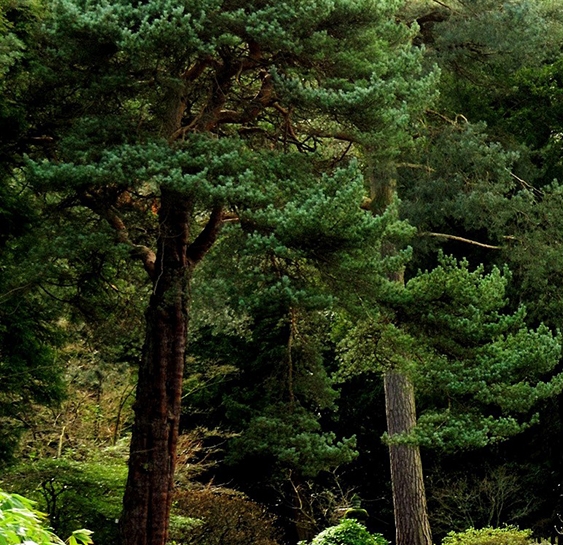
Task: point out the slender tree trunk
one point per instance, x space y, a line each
409 499
412 526
148 494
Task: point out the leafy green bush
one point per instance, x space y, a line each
509 535
348 532
20 522
75 494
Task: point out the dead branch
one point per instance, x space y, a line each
459 239
453 122
527 185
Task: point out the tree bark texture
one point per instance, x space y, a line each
148 494
412 526
409 499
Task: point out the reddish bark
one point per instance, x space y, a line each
152 461
148 494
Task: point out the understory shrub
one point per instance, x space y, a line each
219 516
348 532
20 523
74 494
509 535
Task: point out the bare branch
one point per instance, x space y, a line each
6 296
453 122
460 239
443 5
527 185
346 137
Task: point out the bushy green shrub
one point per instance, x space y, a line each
509 535
75 494
348 532
20 523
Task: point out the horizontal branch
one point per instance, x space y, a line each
459 239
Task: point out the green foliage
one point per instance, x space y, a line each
18 19
480 370
284 432
75 494
479 353
20 522
509 535
348 532
461 173
268 331
493 183
293 439
30 372
268 111
165 38
504 31
356 513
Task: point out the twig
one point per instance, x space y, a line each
61 439
6 296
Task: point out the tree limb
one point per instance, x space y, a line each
194 71
526 184
453 122
205 240
138 251
443 5
460 239
346 137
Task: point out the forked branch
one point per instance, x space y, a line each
110 214
205 240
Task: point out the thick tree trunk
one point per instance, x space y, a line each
148 493
409 499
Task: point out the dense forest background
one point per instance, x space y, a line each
386 180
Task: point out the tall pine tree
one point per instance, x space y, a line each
161 121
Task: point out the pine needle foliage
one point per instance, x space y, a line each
479 370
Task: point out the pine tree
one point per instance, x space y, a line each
477 368
165 120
